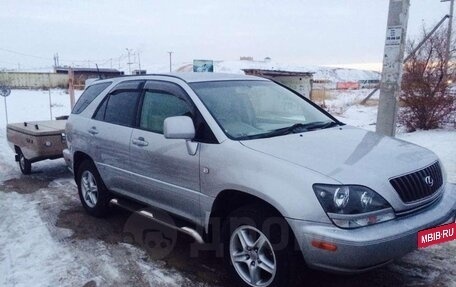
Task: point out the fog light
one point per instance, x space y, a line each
48 143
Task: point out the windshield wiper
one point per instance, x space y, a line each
296 128
320 125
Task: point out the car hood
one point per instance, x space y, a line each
348 155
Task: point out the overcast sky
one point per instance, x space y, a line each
301 32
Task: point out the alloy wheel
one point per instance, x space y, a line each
252 256
89 189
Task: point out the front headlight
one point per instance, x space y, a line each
352 206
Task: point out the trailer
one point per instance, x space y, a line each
36 141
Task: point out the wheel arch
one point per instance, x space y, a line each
232 199
78 158
17 149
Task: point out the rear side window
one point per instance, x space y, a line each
120 108
100 112
88 96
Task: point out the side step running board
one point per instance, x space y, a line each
138 209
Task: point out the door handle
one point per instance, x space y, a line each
93 131
140 142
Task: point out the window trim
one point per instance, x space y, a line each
162 85
100 105
88 104
116 90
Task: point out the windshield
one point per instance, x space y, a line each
256 109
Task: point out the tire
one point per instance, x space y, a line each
24 164
273 261
92 192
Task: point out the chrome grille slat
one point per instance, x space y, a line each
412 187
432 172
423 187
407 191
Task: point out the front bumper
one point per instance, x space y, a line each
369 247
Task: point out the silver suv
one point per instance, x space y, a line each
254 164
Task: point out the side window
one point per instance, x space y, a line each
157 106
88 96
100 112
120 108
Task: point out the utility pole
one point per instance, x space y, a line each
390 86
170 61
56 60
139 62
449 31
71 86
129 60
50 97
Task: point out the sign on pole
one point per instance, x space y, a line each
201 66
393 36
5 92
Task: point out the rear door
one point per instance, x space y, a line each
164 173
111 129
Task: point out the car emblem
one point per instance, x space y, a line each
429 180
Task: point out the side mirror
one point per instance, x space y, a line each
180 127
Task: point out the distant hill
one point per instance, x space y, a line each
345 75
330 74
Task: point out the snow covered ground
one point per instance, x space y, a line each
38 247
28 105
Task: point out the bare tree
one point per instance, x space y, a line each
425 100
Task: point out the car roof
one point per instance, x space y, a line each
188 77
204 77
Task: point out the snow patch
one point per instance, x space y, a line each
28 253
154 271
442 142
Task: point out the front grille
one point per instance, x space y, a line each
420 184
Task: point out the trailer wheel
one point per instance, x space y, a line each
24 164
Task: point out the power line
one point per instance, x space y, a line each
60 59
23 54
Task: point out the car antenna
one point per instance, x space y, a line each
98 71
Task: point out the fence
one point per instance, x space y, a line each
23 80
347 85
319 96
